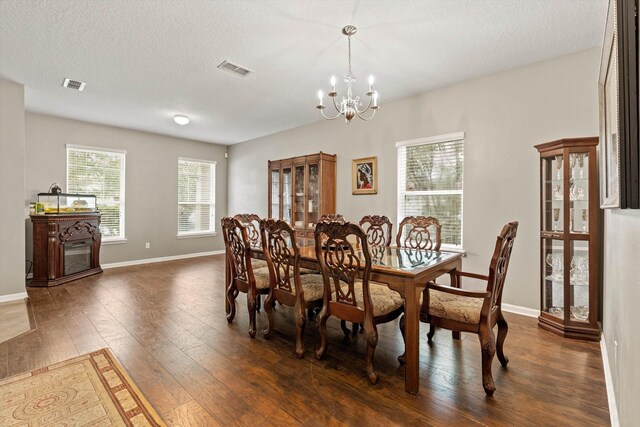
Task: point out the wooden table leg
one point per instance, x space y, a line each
412 335
455 283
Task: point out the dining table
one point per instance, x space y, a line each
406 271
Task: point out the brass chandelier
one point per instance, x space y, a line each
349 107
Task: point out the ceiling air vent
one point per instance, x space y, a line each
73 84
234 68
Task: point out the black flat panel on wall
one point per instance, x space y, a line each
628 103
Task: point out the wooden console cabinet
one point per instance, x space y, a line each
66 247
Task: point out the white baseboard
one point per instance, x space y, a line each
13 297
517 309
611 394
159 259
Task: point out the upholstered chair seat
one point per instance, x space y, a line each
312 286
455 307
262 277
258 264
384 299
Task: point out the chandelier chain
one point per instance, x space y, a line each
349 38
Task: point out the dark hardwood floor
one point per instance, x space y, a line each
166 323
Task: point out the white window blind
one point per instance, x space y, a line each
430 173
100 172
196 196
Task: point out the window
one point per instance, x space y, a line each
196 197
430 172
100 172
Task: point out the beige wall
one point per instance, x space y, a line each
151 191
12 172
621 302
503 116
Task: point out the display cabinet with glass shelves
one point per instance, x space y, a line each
570 234
301 189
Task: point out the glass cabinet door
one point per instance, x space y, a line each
287 187
298 199
553 277
314 198
275 193
579 193
552 194
579 281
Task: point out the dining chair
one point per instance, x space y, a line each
252 223
346 297
461 310
287 286
419 232
242 276
375 226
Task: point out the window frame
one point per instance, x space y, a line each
212 230
401 181
122 202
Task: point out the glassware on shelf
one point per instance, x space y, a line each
585 221
572 163
576 192
571 211
579 271
581 164
557 267
556 311
557 192
559 166
580 312
556 217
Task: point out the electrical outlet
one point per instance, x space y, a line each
147 245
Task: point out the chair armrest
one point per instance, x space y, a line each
472 275
458 291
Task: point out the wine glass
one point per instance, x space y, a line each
572 163
559 165
556 217
571 210
581 164
557 192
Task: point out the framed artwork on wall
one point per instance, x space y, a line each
364 175
618 95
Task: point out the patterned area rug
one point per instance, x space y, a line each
89 390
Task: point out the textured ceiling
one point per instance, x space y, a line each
145 61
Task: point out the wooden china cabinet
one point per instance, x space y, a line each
570 238
301 189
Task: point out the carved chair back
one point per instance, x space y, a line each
238 250
331 218
419 232
340 258
378 230
500 262
252 223
282 254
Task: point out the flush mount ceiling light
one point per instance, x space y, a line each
349 107
181 119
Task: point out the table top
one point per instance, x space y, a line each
393 260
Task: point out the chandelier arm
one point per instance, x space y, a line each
368 106
336 105
330 118
366 119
